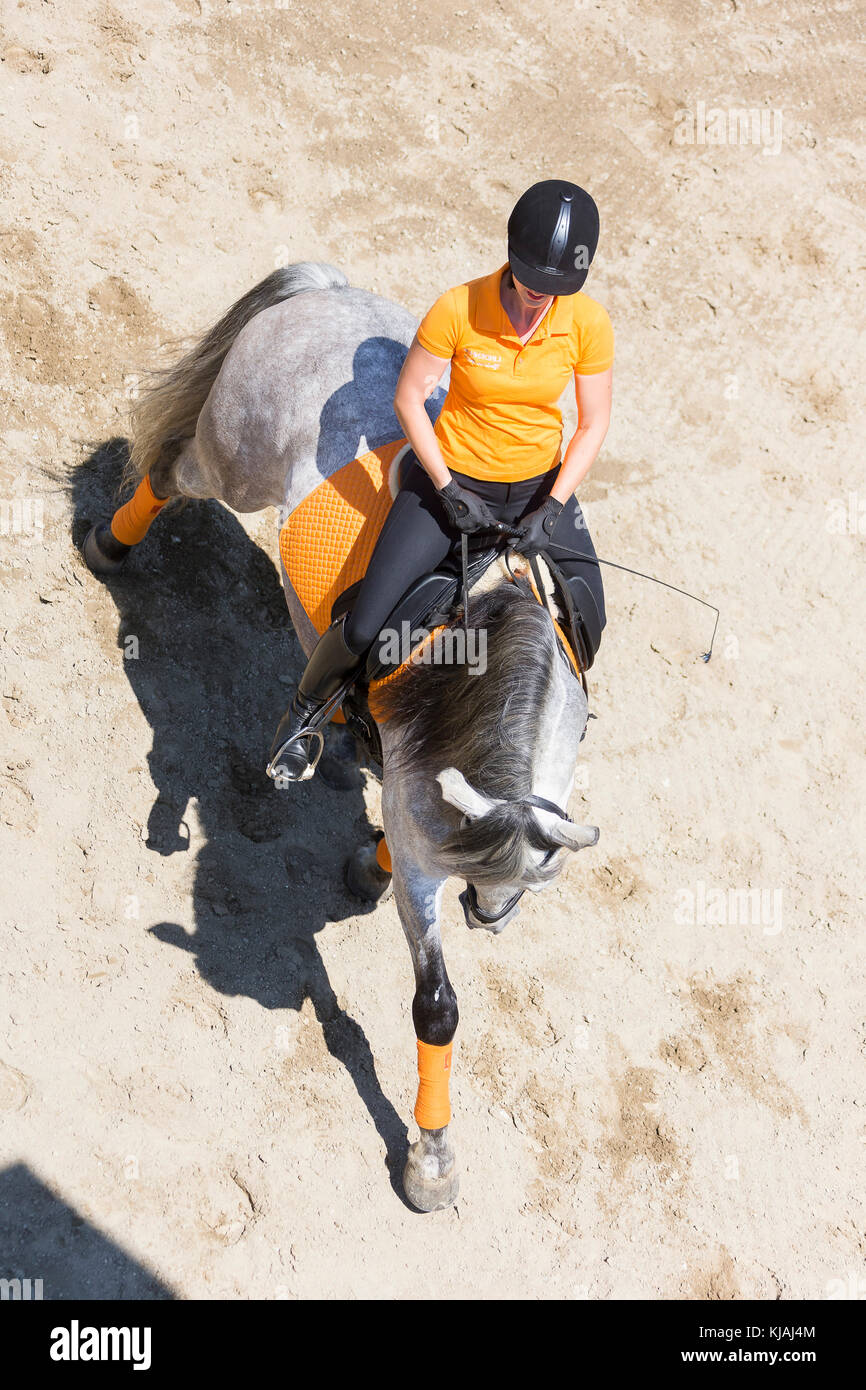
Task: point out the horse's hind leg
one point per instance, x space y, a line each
107 544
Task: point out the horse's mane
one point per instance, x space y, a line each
487 726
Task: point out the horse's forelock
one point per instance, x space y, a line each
495 848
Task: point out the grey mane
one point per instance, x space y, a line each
487 725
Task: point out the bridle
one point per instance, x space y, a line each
469 897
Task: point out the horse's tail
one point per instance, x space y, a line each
166 412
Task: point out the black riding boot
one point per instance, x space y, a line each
330 664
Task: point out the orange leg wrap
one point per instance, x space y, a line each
383 855
131 523
433 1108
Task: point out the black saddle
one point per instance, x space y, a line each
579 615
431 600
436 598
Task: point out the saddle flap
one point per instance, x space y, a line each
579 612
428 596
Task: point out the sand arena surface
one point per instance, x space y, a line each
206 1049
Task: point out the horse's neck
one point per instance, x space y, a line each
561 723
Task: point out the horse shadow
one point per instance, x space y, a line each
212 659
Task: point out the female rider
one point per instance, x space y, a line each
493 459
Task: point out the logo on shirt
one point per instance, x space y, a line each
493 360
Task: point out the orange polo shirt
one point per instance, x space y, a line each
501 417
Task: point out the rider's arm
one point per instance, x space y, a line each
419 378
593 417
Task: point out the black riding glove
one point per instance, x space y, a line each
536 529
468 512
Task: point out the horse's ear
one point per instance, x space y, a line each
457 792
572 836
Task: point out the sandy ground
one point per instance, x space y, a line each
206 1050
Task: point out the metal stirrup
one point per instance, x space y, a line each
273 770
312 729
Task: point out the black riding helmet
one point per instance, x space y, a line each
552 236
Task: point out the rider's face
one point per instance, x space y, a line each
529 297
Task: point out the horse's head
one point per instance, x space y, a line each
507 846
514 726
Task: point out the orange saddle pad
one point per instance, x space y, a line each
328 539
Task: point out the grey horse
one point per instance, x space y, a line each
290 385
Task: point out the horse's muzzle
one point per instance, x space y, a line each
476 916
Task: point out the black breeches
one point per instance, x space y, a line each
416 537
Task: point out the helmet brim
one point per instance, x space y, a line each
546 281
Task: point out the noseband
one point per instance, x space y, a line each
469 897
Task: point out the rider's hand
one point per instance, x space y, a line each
535 530
468 512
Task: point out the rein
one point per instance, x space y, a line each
557 573
597 560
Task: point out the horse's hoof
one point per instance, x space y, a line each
103 553
427 1187
364 878
338 765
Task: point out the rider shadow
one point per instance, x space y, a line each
189 602
57 1253
367 396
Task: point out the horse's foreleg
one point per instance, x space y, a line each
430 1178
